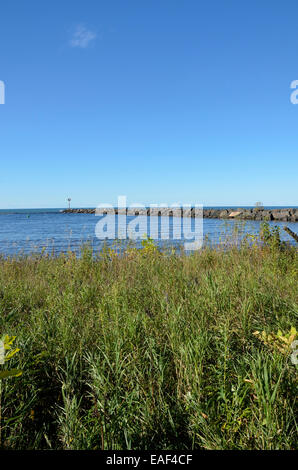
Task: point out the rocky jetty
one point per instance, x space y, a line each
286 215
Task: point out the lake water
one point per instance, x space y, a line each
29 230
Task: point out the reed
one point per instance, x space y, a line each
150 350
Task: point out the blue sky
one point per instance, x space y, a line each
159 100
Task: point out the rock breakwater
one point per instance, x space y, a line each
286 215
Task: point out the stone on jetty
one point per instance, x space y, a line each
286 215
235 214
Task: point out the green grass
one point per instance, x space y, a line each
149 351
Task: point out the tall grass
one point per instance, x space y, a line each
149 350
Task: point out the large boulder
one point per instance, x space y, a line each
234 214
281 214
224 214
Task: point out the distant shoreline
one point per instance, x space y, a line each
282 214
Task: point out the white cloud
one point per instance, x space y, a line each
82 37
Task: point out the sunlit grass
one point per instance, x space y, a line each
150 350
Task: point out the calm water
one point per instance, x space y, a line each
29 230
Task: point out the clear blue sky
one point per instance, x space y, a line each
160 100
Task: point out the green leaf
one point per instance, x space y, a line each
10 373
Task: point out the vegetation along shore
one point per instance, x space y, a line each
150 350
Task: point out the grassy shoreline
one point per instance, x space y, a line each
148 351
